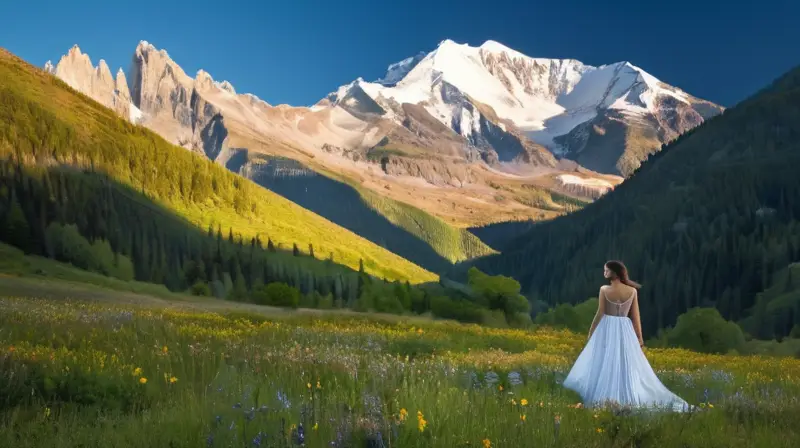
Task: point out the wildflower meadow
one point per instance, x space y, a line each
99 374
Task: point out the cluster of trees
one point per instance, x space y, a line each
699 329
91 221
776 309
707 222
82 186
82 134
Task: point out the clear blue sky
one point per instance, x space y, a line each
297 51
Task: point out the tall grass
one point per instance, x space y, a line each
77 373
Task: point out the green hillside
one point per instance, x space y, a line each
451 243
777 309
403 229
47 125
705 222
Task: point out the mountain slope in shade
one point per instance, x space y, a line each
607 118
416 160
706 222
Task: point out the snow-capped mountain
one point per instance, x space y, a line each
607 118
465 121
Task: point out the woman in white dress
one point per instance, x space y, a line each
612 368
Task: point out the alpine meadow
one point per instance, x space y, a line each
412 261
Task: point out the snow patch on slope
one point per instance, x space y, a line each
570 179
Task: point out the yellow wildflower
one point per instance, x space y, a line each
599 430
523 402
137 371
308 385
319 386
522 418
487 443
421 422
500 388
173 380
142 380
403 414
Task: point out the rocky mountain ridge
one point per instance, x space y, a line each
607 118
418 124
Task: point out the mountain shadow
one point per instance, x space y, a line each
44 122
499 235
343 205
37 204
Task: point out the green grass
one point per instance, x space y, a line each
14 263
72 369
43 121
454 244
376 153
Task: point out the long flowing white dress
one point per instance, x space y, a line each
612 368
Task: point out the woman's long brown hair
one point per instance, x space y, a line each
621 273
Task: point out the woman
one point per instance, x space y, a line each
612 368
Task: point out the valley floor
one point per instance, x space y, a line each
87 366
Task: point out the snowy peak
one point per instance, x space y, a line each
399 70
548 99
492 46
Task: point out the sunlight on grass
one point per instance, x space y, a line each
177 377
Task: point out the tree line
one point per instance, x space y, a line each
91 221
707 222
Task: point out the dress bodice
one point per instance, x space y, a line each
618 309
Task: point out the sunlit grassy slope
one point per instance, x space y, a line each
452 243
405 230
43 121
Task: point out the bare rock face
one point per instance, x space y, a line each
160 88
76 69
121 84
434 171
446 136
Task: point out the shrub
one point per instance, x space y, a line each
200 289
102 258
577 318
277 294
325 302
705 330
124 270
